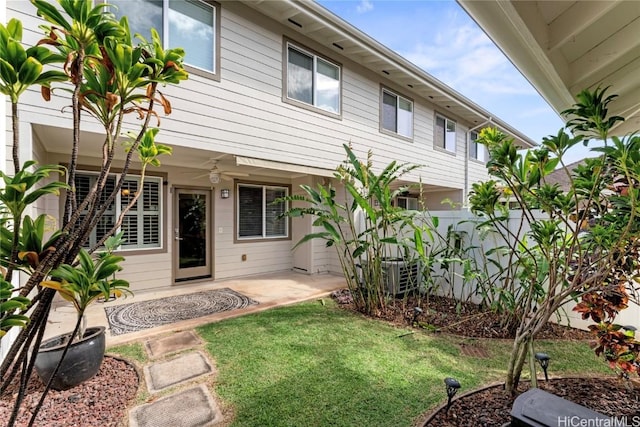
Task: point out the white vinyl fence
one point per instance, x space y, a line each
475 243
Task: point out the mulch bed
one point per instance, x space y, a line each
441 314
101 401
492 406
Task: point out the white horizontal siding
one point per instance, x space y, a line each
146 271
243 114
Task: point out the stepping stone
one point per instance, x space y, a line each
183 368
194 407
171 344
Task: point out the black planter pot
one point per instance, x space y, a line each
81 362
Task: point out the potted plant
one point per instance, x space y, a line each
70 359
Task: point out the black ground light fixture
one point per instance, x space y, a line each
452 388
417 311
543 359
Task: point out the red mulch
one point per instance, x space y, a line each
492 407
101 401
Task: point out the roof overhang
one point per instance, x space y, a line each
322 26
563 47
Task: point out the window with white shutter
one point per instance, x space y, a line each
141 226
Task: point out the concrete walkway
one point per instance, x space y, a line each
269 290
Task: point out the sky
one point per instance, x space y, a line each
443 40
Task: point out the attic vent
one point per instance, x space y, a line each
295 23
338 46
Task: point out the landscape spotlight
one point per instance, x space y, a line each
452 388
417 311
543 359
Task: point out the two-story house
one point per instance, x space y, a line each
275 89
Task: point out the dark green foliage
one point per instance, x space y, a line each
362 224
585 243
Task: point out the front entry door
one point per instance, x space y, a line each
192 234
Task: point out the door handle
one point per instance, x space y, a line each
179 238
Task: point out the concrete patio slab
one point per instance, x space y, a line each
270 290
194 407
178 370
171 344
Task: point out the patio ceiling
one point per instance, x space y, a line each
318 24
563 47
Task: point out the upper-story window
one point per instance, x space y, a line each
312 80
445 133
396 114
193 25
476 150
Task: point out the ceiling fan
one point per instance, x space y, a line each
215 173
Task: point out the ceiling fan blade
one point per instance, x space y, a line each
212 161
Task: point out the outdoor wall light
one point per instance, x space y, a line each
543 359
452 388
224 193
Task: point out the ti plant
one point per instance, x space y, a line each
579 242
89 56
87 281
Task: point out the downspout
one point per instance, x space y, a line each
465 194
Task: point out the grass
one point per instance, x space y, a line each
316 365
131 352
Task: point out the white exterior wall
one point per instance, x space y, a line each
243 114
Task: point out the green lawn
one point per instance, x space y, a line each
316 365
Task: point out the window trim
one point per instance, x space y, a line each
285 78
215 74
117 172
435 123
236 212
398 95
478 148
408 199
193 69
